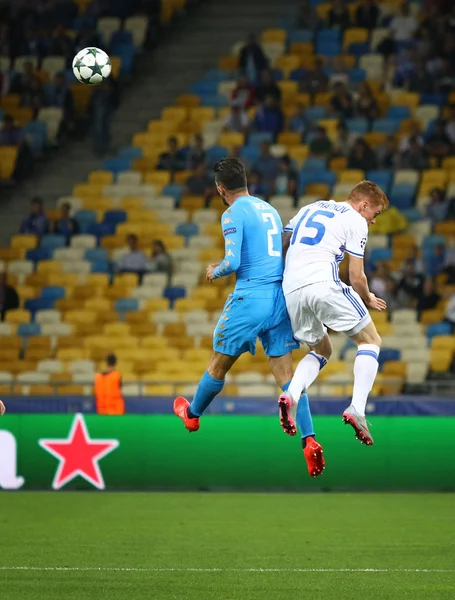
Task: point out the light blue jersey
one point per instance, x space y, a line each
252 231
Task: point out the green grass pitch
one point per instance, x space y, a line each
226 546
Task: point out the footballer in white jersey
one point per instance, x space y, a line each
316 240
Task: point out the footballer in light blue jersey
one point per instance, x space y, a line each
252 231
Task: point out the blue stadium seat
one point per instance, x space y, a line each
389 126
216 75
359 48
96 254
328 47
187 229
438 329
117 164
380 254
315 164
38 254
27 329
382 178
250 153
357 75
358 125
328 35
36 132
399 112
402 195
172 293
127 305
277 74
388 354
430 241
115 216
309 177
100 266
216 153
53 241
101 229
53 292
298 74
36 304
258 137
315 113
204 88
131 152
84 219
175 190
413 214
437 99
126 53
300 35
214 101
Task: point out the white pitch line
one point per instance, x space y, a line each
195 570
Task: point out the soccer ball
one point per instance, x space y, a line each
91 66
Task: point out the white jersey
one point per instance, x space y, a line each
321 233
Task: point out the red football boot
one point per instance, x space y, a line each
285 404
314 456
181 410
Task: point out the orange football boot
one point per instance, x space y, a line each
314 456
181 406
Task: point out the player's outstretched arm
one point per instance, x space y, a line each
359 282
2 409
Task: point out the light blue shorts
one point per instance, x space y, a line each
251 314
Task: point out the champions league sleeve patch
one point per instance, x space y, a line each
230 230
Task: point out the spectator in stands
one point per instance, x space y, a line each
344 140
450 125
404 25
37 222
161 260
307 17
267 87
134 260
103 104
438 144
266 165
196 154
429 298
366 105
387 155
341 103
382 284
269 117
450 312
438 206
445 81
299 122
414 132
243 93
59 95
437 261
387 47
406 66
420 80
33 96
33 44
316 80
65 224
21 81
237 120
339 72
62 44
252 60
321 145
362 156
200 184
339 17
410 286
86 38
256 187
414 157
367 15
286 181
414 258
423 42
174 159
9 298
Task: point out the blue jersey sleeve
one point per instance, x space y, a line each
232 226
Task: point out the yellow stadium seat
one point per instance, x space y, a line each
17 316
187 304
429 317
24 242
301 48
440 360
174 113
188 100
273 36
171 330
142 330
41 390
70 390
135 316
338 164
375 138
98 304
132 203
322 99
84 190
155 304
318 189
8 157
403 240
290 138
117 329
126 280
351 176
49 266
154 341
323 10
447 228
37 353
101 177
298 154
159 390
354 35
98 204
7 354
183 343
158 178
288 63
288 89
209 255
230 139
201 355
434 176
81 317
11 342
410 99
26 292
229 63
206 292
395 368
192 203
39 341
443 342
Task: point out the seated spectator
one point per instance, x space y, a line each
196 154
59 95
237 120
381 283
450 312
414 258
321 145
387 47
86 38
256 187
445 81
62 44
37 222
199 183
437 262
307 17
406 67
414 132
340 72
266 165
299 121
172 160
367 14
429 299
161 261
438 206
103 103
65 224
9 298
269 117
252 60
339 17
423 42
21 81
316 80
344 140
286 181
362 156
366 105
267 87
388 156
33 43
33 96
414 157
450 125
243 93
410 286
341 102
403 26
133 261
438 144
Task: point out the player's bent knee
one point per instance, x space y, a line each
323 348
368 335
220 364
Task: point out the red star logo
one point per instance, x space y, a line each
78 455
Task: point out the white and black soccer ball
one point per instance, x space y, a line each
91 66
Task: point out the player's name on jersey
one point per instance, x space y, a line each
333 206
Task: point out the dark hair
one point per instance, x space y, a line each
231 174
160 244
37 200
111 360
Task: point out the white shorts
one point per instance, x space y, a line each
314 307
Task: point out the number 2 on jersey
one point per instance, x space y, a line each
270 233
312 223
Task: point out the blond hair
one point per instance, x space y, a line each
371 191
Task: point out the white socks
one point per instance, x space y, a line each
306 372
365 371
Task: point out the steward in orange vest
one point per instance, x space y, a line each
108 390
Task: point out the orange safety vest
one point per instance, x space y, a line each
108 394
